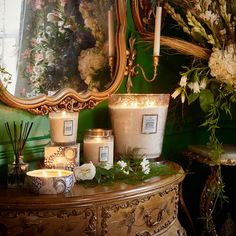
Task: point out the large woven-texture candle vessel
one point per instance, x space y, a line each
138 122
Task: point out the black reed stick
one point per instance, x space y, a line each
18 137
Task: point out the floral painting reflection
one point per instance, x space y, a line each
63 43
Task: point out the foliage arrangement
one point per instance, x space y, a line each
130 169
210 24
211 80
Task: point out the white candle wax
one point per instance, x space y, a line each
99 150
139 127
63 127
111 34
157 32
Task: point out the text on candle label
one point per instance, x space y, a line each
149 124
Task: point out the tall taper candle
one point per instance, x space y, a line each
111 35
157 32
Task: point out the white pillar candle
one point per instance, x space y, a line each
111 34
99 146
157 32
63 127
138 121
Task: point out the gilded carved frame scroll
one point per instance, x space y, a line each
68 98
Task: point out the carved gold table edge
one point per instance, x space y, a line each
99 210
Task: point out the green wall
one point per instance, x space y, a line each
177 137
180 132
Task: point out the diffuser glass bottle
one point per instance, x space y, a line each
18 135
16 173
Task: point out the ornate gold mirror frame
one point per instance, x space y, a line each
68 98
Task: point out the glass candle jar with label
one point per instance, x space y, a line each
63 127
138 122
99 146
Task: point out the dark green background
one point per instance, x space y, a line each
180 132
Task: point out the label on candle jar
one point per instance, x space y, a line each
149 124
103 153
68 127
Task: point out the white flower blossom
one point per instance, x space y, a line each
52 17
183 97
211 17
145 166
85 172
203 84
222 64
194 86
122 164
176 93
90 61
183 81
144 162
50 56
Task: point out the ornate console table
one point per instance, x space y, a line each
202 154
148 208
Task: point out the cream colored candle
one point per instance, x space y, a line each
157 32
50 181
111 34
138 121
99 146
63 127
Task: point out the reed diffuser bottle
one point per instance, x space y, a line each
18 137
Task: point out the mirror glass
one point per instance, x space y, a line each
49 45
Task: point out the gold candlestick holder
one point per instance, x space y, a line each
131 66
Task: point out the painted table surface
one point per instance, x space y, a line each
147 208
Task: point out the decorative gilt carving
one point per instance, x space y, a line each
91 227
107 212
208 200
4 213
69 103
30 226
159 218
146 233
174 188
129 219
105 215
70 98
133 210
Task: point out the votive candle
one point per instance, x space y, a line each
63 127
99 146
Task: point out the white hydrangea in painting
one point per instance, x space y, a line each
89 62
95 59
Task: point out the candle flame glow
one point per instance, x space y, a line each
45 174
